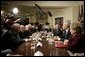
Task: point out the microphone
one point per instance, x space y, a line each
49 13
38 6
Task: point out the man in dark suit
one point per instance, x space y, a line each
11 39
28 31
22 32
66 31
57 31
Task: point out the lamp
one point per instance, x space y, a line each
15 10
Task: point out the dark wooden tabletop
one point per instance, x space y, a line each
47 49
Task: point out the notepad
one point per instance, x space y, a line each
59 44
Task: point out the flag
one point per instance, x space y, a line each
81 13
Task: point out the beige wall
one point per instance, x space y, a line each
70 13
75 13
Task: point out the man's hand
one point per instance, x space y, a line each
26 40
66 42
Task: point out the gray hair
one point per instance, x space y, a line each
15 26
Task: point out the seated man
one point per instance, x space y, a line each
27 31
22 32
11 39
57 31
46 27
65 32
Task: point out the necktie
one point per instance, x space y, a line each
18 36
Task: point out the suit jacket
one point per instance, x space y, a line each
11 40
28 33
57 32
65 35
76 43
22 34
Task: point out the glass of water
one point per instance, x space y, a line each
53 53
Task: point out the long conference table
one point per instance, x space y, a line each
47 49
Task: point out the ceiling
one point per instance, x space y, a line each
44 4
